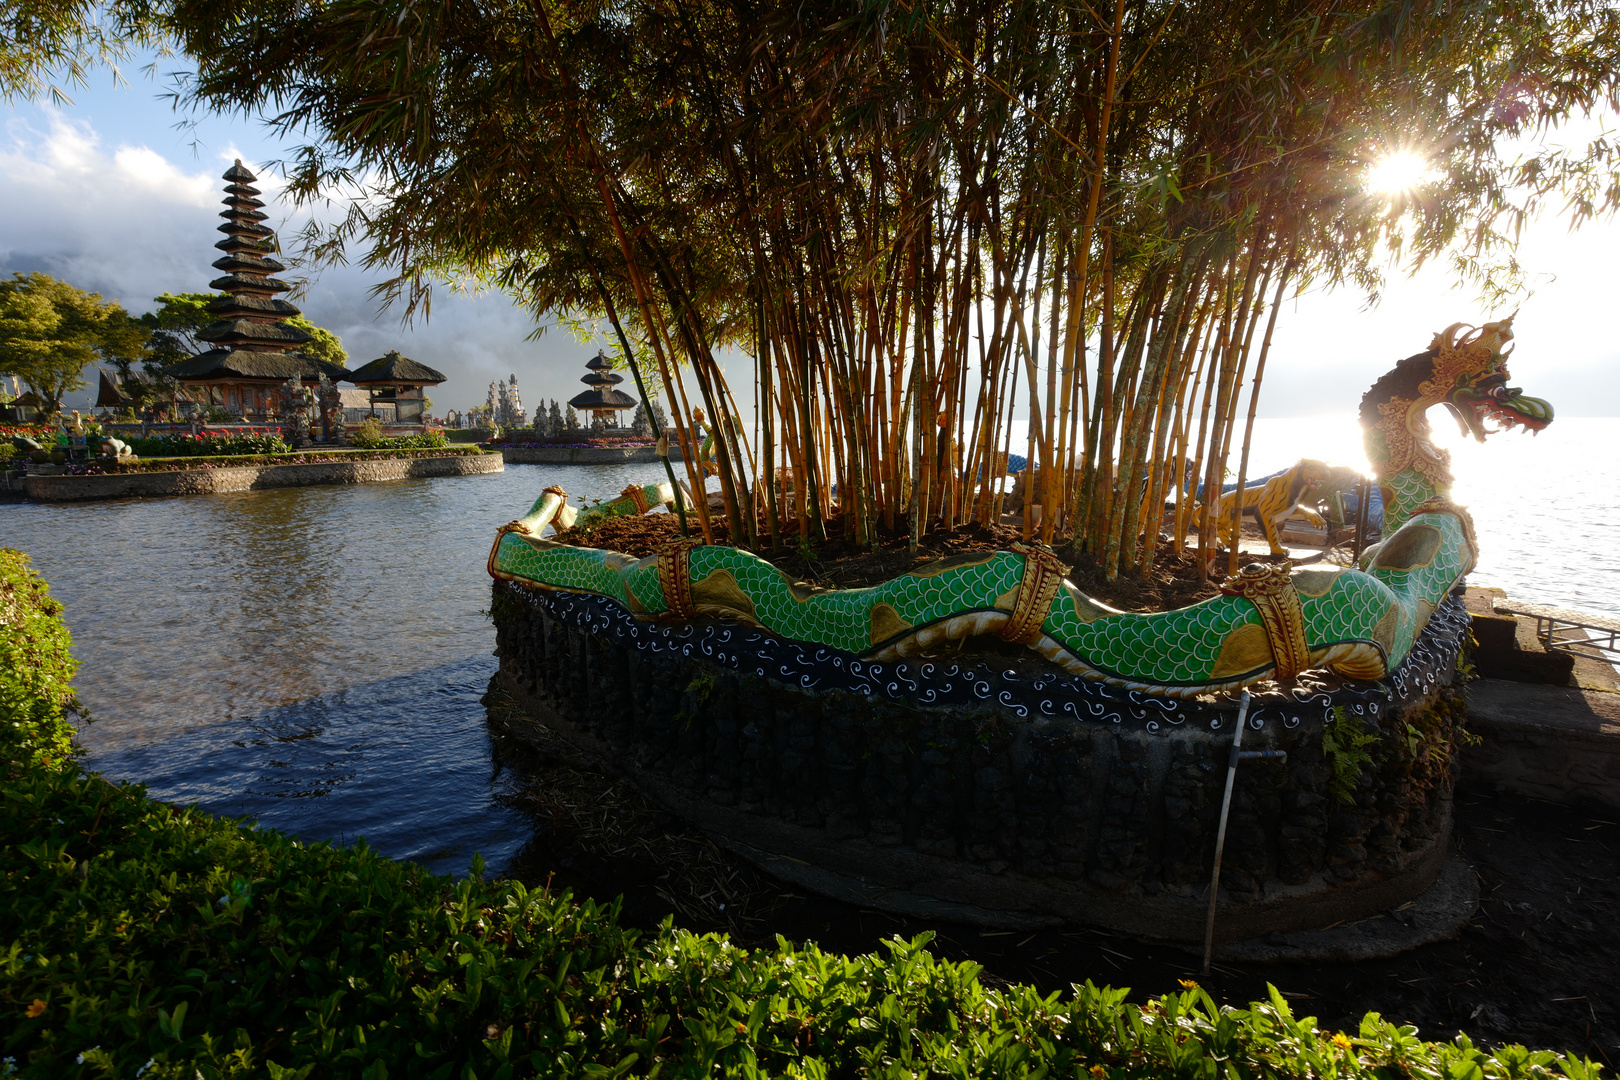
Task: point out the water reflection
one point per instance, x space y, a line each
313 657
404 762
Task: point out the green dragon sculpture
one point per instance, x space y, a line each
1270 622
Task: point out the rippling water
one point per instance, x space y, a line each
314 657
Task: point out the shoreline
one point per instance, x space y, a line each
252 477
584 455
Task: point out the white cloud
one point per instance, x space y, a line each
153 176
128 222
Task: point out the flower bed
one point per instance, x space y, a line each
145 940
36 432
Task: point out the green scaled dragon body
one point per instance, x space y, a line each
1358 623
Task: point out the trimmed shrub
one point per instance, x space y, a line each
141 940
368 435
205 445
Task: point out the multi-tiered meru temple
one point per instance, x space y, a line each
255 351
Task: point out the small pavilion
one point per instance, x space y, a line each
399 382
25 409
603 400
254 351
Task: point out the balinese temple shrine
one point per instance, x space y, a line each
603 400
396 387
254 351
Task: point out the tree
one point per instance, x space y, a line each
930 222
47 42
174 329
180 317
174 326
49 331
322 344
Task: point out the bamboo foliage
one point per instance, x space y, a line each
943 234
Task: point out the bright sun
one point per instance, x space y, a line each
1397 172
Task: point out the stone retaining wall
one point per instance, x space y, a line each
1549 742
248 477
995 814
583 455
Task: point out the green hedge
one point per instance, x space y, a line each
144 940
186 445
428 440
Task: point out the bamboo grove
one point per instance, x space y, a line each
936 234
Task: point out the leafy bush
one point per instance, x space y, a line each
36 667
141 940
205 445
428 440
368 435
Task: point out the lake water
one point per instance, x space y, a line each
315 657
311 657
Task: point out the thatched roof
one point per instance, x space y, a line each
237 281
604 398
395 369
227 306
238 174
218 364
235 244
232 330
247 228
240 261
107 395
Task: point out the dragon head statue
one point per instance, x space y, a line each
1470 379
1465 369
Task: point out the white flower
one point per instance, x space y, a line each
142 1070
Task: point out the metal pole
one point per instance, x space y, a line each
1220 830
1232 760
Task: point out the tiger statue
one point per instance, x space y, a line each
1294 492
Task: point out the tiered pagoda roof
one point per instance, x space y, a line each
602 397
250 338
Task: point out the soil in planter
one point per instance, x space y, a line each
1535 965
841 564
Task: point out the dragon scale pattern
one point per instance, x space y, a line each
1358 622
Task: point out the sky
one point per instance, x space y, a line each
117 193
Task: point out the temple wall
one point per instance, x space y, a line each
583 455
245 478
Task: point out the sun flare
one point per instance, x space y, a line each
1397 172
